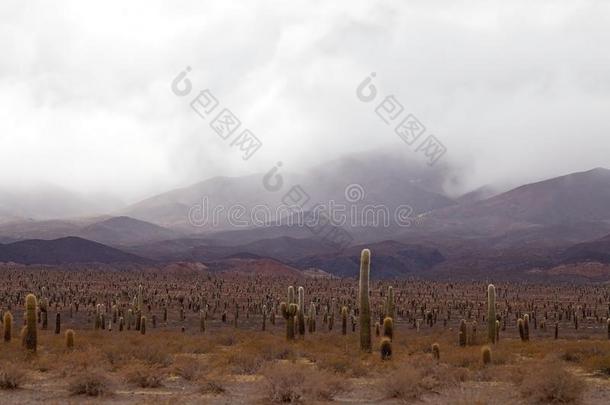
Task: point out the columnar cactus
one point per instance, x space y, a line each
8 326
390 304
486 354
57 323
140 299
143 325
288 312
70 339
344 321
556 330
520 325
463 334
365 308
526 327
608 327
264 317
388 328
312 318
436 352
202 321
491 313
31 334
497 331
386 349
301 311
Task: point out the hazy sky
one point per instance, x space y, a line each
514 90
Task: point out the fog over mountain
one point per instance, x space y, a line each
517 92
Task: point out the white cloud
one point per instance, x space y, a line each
515 90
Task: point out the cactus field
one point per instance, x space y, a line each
141 336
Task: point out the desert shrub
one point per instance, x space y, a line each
405 384
342 364
144 376
188 368
550 383
288 382
418 376
244 362
212 386
89 383
11 377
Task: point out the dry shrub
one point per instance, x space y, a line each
243 362
144 376
11 377
211 386
548 382
342 364
404 384
418 376
291 383
188 368
90 383
599 364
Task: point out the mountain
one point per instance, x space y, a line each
124 231
356 181
64 251
577 201
593 251
114 231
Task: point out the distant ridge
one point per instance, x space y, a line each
67 250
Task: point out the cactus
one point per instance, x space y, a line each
344 320
526 327
386 348
70 339
121 323
291 295
45 322
497 331
365 309
264 317
556 330
377 329
607 327
140 299
202 322
143 325
31 334
491 313
388 328
301 312
57 323
463 334
520 325
390 304
436 351
8 326
486 354
288 312
311 319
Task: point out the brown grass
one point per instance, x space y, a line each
90 383
11 377
549 382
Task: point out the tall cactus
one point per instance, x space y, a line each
31 334
389 303
8 326
463 334
288 312
70 339
388 328
491 313
365 308
301 312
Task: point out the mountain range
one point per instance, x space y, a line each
527 230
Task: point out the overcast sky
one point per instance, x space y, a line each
515 91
